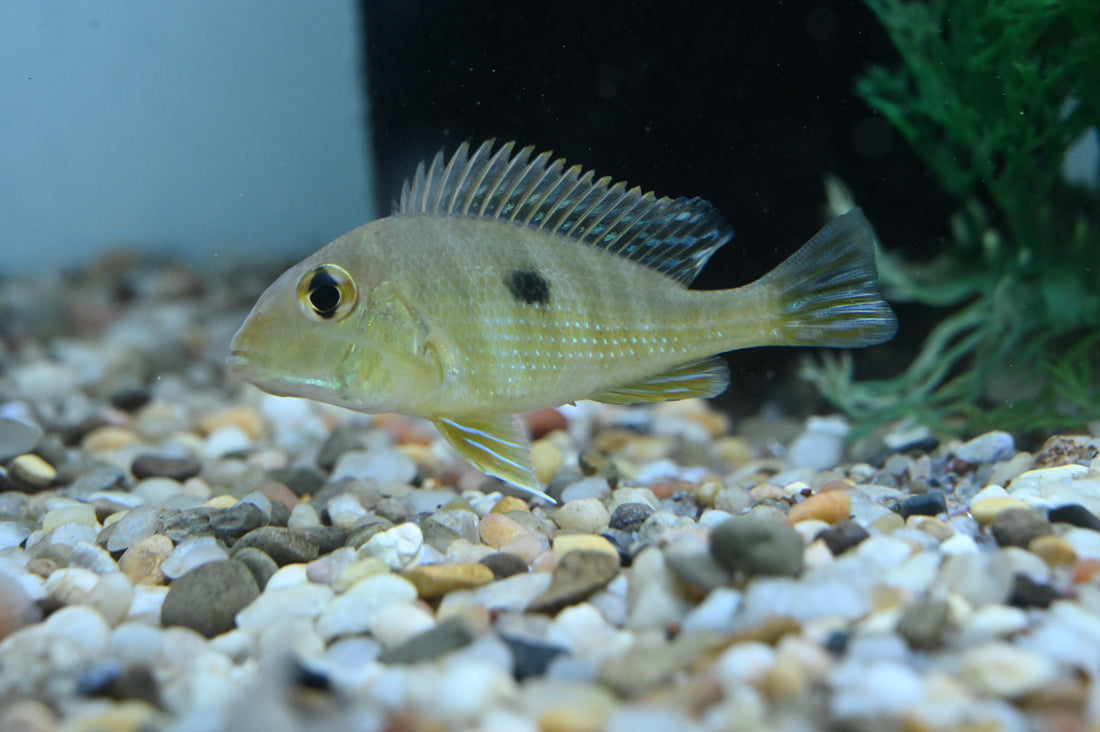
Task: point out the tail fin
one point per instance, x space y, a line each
827 294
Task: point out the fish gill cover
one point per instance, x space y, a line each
1000 100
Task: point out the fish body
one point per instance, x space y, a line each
505 283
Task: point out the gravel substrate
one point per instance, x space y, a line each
178 552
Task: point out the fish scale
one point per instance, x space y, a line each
505 281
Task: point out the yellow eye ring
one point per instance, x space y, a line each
326 293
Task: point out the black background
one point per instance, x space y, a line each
748 105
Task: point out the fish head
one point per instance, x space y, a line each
334 328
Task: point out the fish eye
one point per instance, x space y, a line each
326 293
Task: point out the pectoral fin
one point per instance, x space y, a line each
494 445
703 378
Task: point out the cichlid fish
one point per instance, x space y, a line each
504 283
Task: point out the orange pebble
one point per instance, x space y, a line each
1085 569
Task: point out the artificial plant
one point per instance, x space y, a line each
1000 99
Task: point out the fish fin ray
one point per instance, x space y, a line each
495 445
674 236
827 289
705 377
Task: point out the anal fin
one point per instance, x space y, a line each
705 377
495 445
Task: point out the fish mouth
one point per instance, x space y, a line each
240 363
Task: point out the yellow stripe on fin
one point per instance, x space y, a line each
703 378
496 446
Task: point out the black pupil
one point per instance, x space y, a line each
324 295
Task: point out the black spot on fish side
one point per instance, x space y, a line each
528 286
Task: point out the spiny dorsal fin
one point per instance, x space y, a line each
674 236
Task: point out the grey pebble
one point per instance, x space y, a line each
361 535
757 545
843 536
157 466
392 509
100 476
280 514
446 525
208 598
578 575
530 659
328 538
230 524
630 516
505 564
695 566
923 624
1018 526
300 480
137 524
285 546
341 440
450 635
17 437
261 565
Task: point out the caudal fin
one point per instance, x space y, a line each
827 292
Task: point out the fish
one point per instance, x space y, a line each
506 281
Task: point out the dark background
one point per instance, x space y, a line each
748 105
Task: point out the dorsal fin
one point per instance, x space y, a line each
674 236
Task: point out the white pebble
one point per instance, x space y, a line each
713 517
398 547
993 621
715 613
135 643
82 626
821 444
157 491
260 501
344 510
744 663
987 448
396 623
1001 669
959 544
1084 541
303 516
71 585
190 553
294 635
593 487
513 593
93 557
877 689
72 534
582 630
226 439
387 466
583 515
12 534
112 597
354 611
306 600
148 600
80 514
633 495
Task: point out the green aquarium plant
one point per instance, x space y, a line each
1001 100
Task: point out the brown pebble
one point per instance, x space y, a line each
107 438
1053 550
433 580
832 507
1085 569
542 422
508 504
497 530
33 470
247 419
141 562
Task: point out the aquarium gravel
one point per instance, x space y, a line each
182 552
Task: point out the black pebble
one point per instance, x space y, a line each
843 536
230 524
529 658
837 642
1026 592
155 466
302 481
1074 514
922 504
504 564
630 516
130 399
